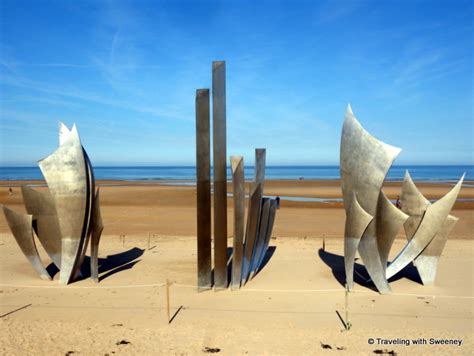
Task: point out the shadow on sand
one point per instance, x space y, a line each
107 266
336 263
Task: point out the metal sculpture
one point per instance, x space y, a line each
65 216
254 209
372 221
220 174
248 256
427 240
21 227
249 249
203 175
237 166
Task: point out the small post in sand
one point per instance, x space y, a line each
324 243
348 322
168 300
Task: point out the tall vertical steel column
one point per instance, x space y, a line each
220 174
237 164
203 176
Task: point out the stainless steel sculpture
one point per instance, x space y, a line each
61 217
21 227
237 165
255 205
96 228
372 221
260 219
203 175
364 164
220 174
248 255
428 239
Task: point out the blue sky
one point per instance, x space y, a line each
126 73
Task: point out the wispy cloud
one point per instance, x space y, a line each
89 96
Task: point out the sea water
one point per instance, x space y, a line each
418 172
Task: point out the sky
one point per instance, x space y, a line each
126 72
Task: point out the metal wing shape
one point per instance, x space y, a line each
431 223
21 227
66 173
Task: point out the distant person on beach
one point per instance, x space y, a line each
10 191
278 202
398 204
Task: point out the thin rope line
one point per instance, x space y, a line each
241 290
86 287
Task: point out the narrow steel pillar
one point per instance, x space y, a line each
220 174
237 164
203 176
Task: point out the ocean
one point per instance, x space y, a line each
418 172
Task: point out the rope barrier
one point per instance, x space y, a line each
256 290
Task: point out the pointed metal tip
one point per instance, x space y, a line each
235 161
349 109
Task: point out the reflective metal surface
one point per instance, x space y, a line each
220 173
364 163
96 227
21 227
88 213
203 175
415 204
41 205
427 262
389 221
253 214
261 235
237 166
271 221
62 216
66 174
357 220
431 223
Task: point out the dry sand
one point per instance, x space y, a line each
288 308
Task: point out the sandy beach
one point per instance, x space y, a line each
291 307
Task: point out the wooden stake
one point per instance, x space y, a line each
324 242
348 322
168 299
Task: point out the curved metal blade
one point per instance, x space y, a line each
427 262
261 234
364 163
43 208
90 202
432 221
357 220
66 174
253 213
268 235
388 223
415 204
21 227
